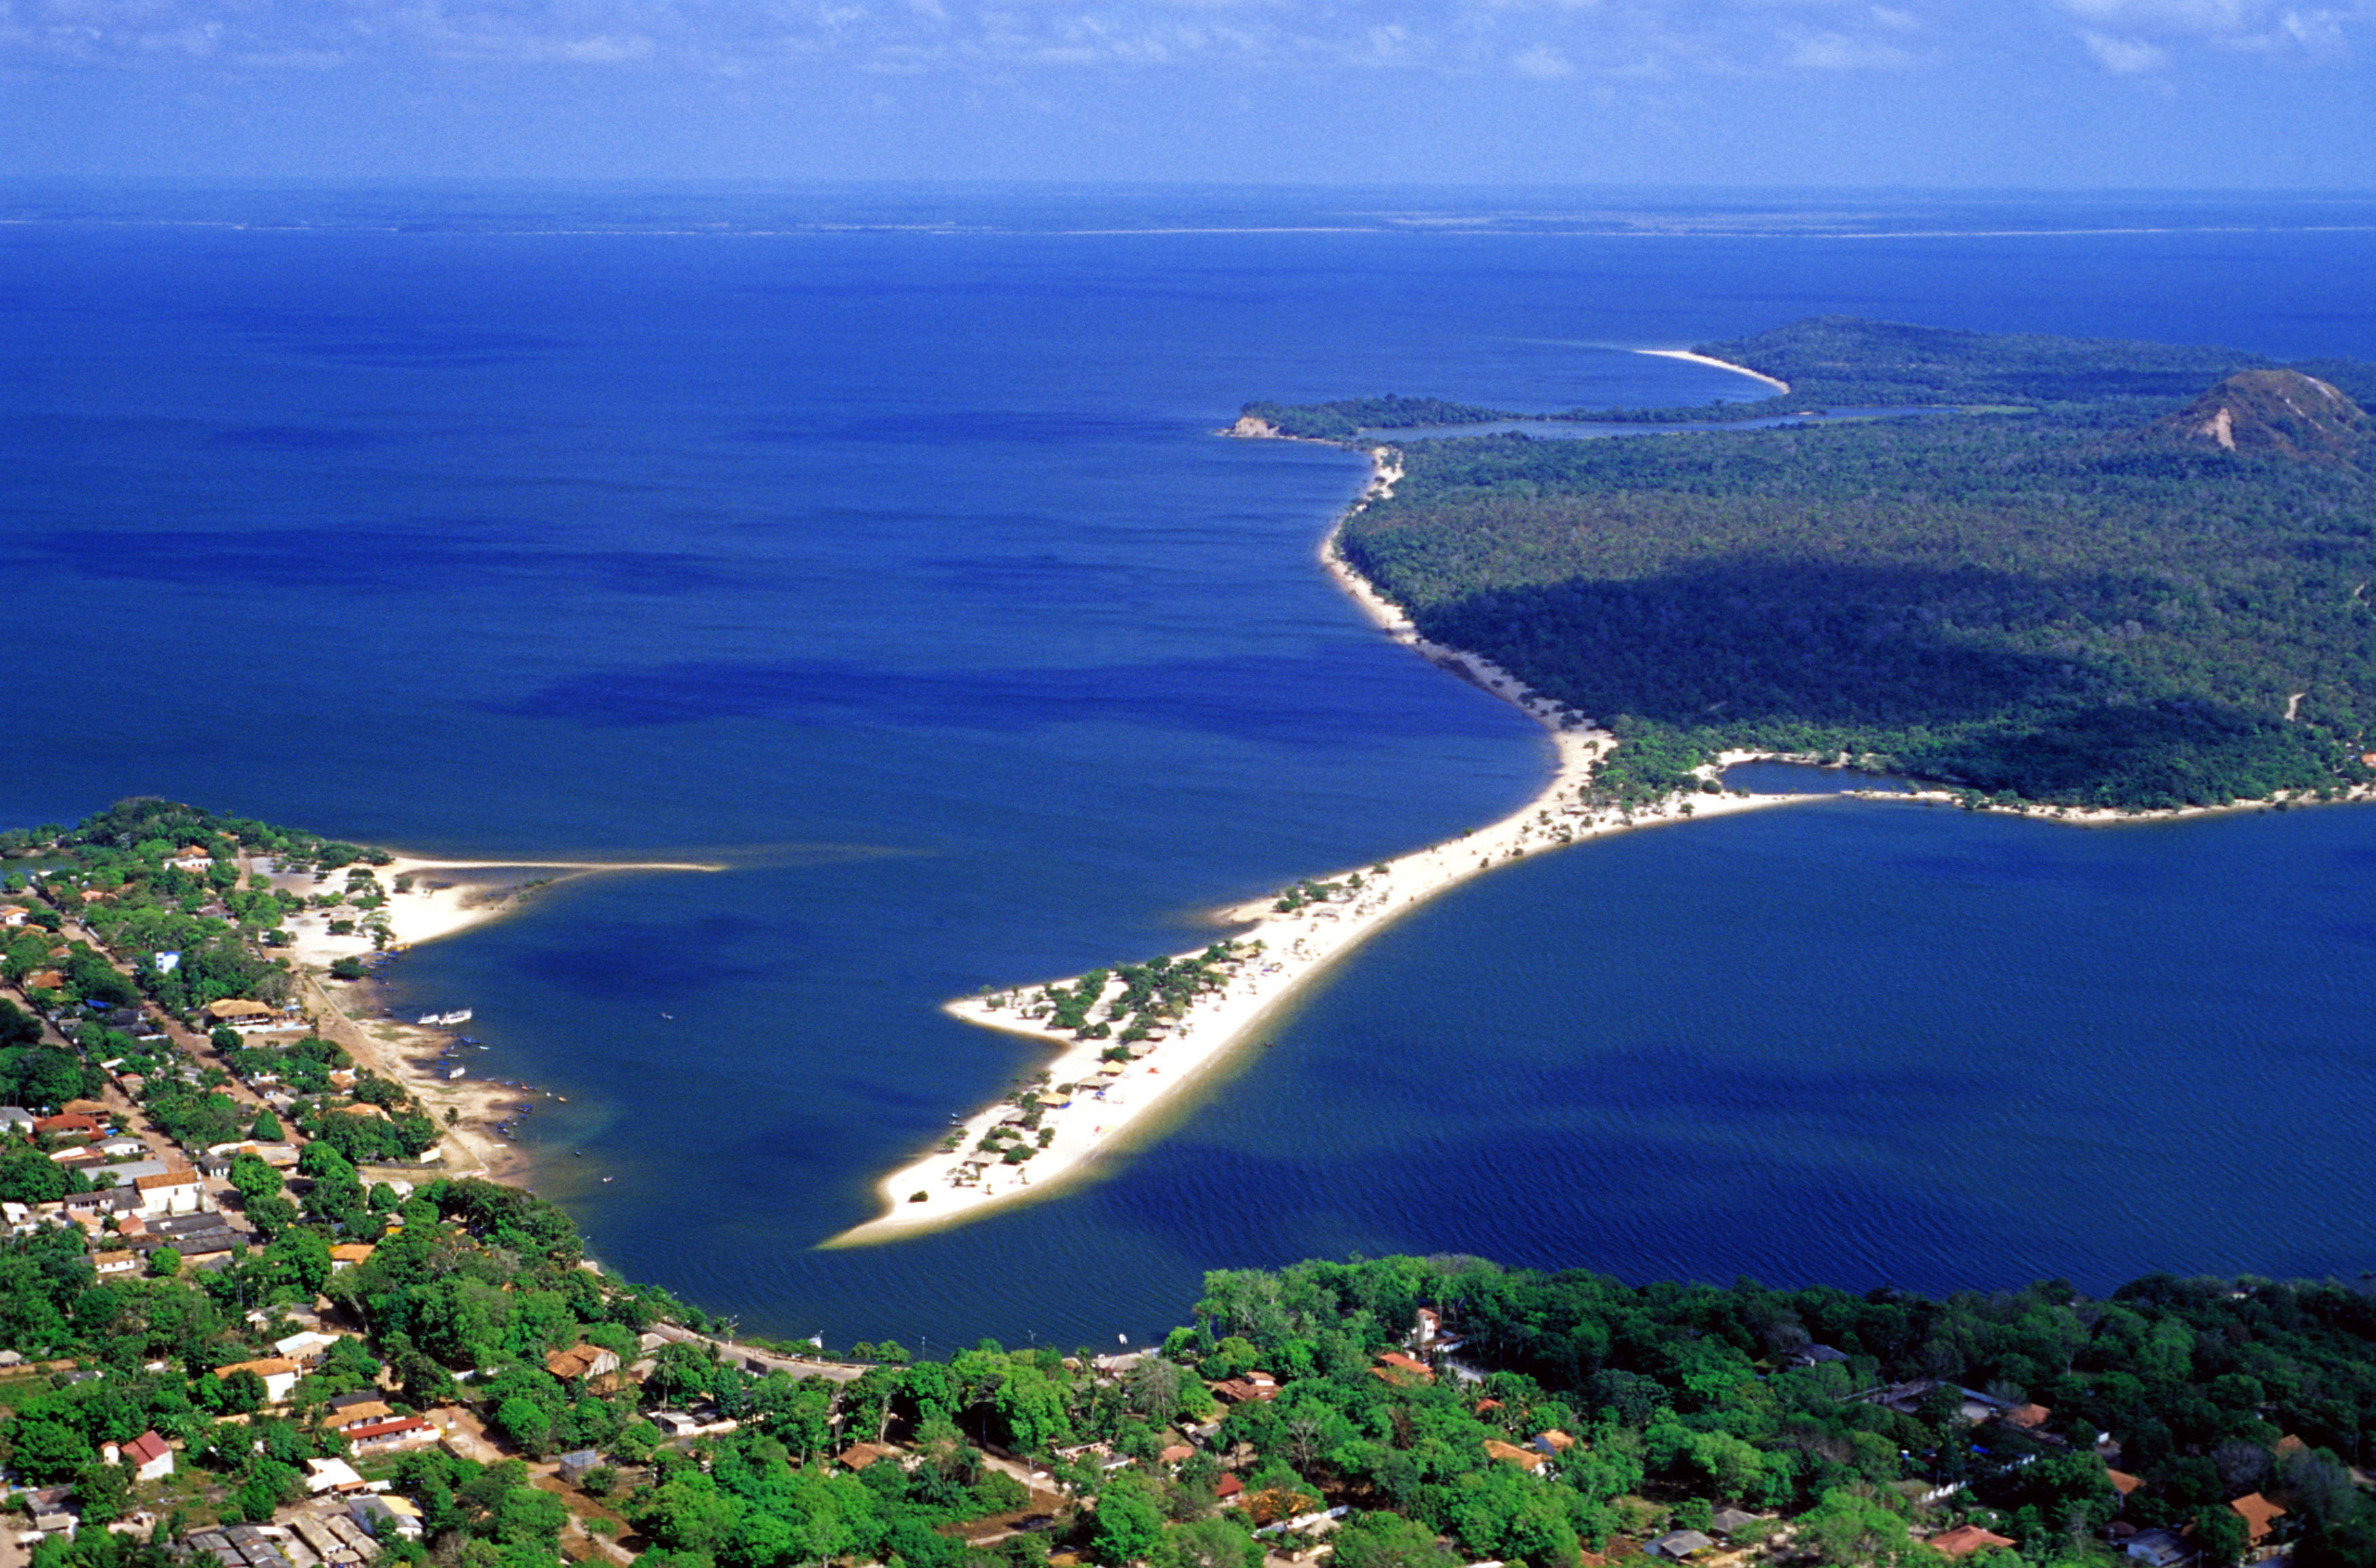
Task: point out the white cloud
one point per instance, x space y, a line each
2130 36
1844 52
2125 57
1542 62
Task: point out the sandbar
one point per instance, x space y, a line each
1275 953
1720 365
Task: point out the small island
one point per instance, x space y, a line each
2093 580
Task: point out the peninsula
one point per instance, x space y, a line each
1139 1038
2092 578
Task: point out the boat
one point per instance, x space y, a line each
442 1020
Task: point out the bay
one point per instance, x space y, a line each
878 544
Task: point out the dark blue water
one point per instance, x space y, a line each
899 568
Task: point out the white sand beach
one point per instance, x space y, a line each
1278 954
428 900
1719 364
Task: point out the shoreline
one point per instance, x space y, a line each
1275 953
432 907
1691 358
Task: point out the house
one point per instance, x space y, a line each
1732 1521
2161 1548
1817 1356
1394 1366
194 1236
1553 1442
238 1012
68 1124
349 1254
13 915
332 1475
2123 1482
581 1360
1527 1459
363 1413
94 1205
1679 1544
192 858
676 1423
1965 1539
44 980
1227 1490
859 1456
2259 1514
18 1119
385 1514
386 1437
306 1349
150 1457
123 1261
174 1192
279 1376
2028 1418
573 1467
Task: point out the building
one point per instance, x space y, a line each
174 1192
2260 1515
581 1360
149 1457
1965 1539
280 1375
387 1436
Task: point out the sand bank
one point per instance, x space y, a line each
1720 365
1276 952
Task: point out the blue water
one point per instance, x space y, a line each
877 544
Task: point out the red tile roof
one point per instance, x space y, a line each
2257 1514
1965 1539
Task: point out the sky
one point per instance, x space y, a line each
1959 94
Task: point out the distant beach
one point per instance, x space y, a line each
1689 357
1090 1105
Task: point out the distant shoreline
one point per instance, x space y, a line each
1282 951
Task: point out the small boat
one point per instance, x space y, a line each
610 1179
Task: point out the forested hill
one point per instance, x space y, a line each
2087 572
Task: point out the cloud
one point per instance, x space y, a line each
2124 57
1596 42
1844 52
1541 62
2132 36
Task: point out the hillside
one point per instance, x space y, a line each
2101 602
2278 413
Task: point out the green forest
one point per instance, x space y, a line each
2076 572
1404 1412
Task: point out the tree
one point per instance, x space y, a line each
1208 1543
1129 1524
164 1263
1389 1540
2221 1534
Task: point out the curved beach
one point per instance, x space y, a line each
429 900
1091 1106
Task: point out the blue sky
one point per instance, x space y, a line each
2235 94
